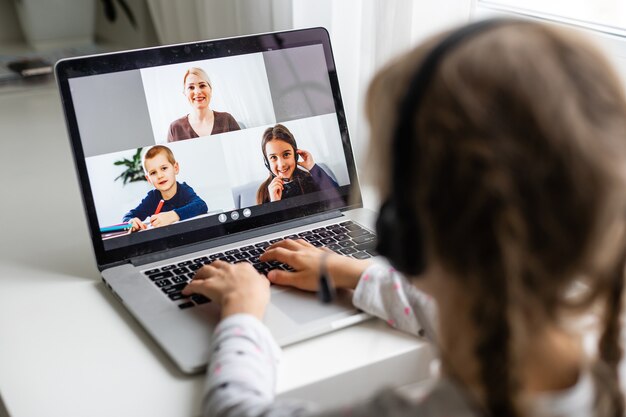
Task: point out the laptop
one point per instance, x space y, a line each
120 106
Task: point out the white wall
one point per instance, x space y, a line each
603 21
606 14
367 33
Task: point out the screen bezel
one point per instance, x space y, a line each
200 230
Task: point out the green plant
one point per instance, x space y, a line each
134 170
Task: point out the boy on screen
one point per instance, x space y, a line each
170 201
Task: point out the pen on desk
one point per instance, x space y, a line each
158 209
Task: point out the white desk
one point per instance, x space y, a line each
68 348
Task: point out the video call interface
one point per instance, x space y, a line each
222 140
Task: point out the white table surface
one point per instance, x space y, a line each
68 348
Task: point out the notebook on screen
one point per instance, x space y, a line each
213 150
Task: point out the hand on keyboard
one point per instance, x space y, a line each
305 260
303 257
238 287
345 238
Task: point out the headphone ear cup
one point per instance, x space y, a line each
400 239
385 225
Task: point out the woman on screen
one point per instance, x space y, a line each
287 178
202 121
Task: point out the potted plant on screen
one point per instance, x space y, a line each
134 170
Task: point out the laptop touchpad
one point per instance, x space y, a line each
303 307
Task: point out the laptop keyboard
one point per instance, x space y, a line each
346 238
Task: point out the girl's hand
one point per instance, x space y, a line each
163 219
137 224
239 288
276 188
306 260
307 161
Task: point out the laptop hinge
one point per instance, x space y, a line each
236 237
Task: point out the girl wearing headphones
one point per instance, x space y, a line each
281 156
514 209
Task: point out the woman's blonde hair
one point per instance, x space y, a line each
519 151
198 72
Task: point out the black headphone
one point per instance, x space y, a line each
400 237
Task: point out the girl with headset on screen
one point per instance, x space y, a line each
283 160
501 151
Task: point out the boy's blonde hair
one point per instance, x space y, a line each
154 151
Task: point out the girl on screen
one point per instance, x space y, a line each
287 178
202 121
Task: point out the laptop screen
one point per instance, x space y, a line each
180 144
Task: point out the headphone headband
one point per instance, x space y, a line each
400 236
420 82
